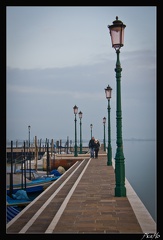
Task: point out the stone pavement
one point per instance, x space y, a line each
87 205
93 207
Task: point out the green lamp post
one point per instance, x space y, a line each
91 126
104 121
108 91
80 116
117 38
75 112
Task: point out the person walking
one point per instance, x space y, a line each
92 147
97 147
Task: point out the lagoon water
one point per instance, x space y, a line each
141 171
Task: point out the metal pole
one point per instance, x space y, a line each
40 147
104 139
24 167
120 189
70 144
109 153
67 144
15 158
22 173
91 125
80 137
75 152
11 174
29 155
47 158
60 145
52 147
36 153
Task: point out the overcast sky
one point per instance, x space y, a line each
58 57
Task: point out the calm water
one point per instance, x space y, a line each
140 171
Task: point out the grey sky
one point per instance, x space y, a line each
58 57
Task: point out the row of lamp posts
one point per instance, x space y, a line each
80 117
75 108
117 39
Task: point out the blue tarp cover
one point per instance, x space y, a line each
55 172
20 194
11 212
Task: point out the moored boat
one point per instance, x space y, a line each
38 183
17 201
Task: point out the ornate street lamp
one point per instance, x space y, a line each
108 91
91 126
104 121
75 112
29 128
80 116
117 38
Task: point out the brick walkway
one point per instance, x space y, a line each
92 207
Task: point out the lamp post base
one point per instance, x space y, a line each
80 149
109 162
75 152
120 191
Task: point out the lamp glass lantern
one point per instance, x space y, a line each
117 33
80 115
104 120
108 92
75 109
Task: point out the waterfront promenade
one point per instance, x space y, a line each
82 201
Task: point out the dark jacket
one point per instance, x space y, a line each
97 146
91 143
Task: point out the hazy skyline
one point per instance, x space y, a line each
58 57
